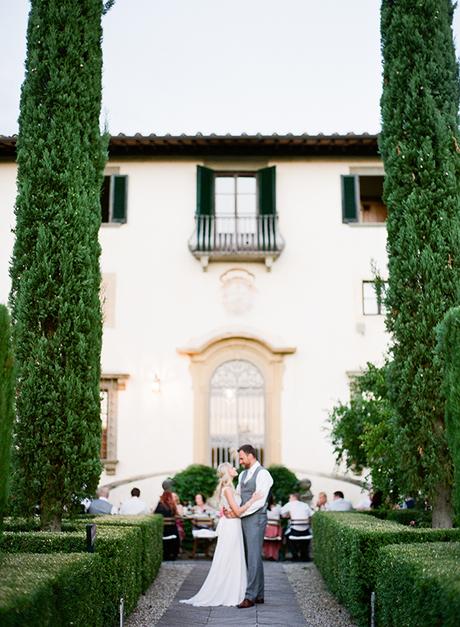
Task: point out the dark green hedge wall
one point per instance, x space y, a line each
346 547
418 585
44 590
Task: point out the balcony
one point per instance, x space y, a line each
236 238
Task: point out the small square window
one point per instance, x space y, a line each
362 199
374 303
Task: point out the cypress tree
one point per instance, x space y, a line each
55 268
6 405
420 148
449 353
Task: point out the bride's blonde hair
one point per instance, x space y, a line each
225 479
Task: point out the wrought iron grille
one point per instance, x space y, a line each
230 234
237 410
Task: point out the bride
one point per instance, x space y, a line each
226 580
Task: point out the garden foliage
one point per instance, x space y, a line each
195 479
285 483
418 585
57 589
55 272
420 146
364 435
449 353
346 549
128 553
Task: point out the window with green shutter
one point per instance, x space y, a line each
114 195
236 215
362 200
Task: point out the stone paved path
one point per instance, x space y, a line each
279 610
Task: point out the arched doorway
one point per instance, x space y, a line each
206 358
236 410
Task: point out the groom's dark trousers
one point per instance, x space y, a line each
253 534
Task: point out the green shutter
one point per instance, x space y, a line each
350 198
204 191
105 200
266 191
120 188
205 200
266 203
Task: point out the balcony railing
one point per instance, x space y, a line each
230 237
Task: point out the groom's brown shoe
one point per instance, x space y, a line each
246 603
259 600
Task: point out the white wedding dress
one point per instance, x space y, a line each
226 580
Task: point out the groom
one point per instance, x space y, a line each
254 479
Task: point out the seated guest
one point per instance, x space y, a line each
298 534
408 503
135 505
101 504
339 503
200 506
171 542
272 535
365 503
321 503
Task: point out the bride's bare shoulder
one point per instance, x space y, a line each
228 490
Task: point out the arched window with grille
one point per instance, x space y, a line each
236 410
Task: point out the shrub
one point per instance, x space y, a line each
121 552
422 518
418 585
345 551
151 528
284 483
195 479
32 524
43 590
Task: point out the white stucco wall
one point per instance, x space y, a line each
311 300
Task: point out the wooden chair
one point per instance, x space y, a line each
203 532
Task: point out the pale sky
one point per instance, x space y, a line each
187 66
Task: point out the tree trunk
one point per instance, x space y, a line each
50 516
442 508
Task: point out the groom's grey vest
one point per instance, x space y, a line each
247 489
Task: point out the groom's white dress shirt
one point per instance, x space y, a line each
264 482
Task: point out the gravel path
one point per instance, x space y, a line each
319 607
154 603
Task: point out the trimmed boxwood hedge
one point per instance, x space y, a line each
44 590
421 517
345 551
151 527
121 552
33 524
418 585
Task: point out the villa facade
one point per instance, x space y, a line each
238 298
